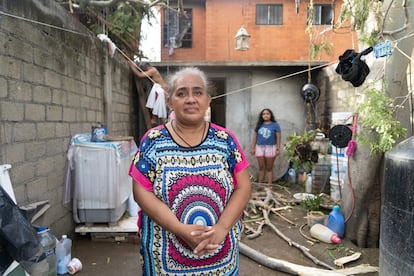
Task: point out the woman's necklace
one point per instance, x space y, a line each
182 139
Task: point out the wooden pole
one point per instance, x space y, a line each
142 101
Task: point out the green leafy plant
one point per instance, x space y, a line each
337 250
380 129
299 150
317 48
311 203
370 39
358 10
121 20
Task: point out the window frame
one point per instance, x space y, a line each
184 36
277 14
319 8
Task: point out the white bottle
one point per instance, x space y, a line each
63 254
308 187
324 234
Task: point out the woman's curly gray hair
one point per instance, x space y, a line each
172 79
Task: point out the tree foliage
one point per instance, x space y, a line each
377 115
119 19
358 12
317 43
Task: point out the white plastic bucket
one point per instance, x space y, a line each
339 167
341 118
335 188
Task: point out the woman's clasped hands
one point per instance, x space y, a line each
203 240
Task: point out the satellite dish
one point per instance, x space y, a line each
310 92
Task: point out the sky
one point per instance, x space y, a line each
151 37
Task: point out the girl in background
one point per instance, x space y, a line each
266 144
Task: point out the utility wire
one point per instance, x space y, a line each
41 23
269 81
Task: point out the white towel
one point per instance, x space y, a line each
156 101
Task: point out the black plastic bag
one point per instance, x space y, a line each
352 68
18 238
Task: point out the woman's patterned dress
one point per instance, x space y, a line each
196 183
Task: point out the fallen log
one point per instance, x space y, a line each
295 269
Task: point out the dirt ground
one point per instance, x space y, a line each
121 258
272 245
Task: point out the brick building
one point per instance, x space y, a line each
204 30
271 73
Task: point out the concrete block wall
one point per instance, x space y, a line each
52 87
337 95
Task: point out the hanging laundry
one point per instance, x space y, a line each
156 101
111 46
383 49
352 68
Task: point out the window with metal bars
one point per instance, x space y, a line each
177 29
322 14
269 14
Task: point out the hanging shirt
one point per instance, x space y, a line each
156 101
266 134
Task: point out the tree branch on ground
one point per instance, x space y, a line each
266 206
295 269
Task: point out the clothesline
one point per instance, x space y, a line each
66 30
125 56
224 94
269 81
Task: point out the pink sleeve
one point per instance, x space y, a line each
240 166
139 177
242 163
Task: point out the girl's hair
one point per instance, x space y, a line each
182 73
260 120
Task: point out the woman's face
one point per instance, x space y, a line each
189 99
266 115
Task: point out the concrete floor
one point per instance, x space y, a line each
106 250
111 258
103 256
107 257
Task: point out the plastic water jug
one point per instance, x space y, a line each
324 234
308 186
336 221
48 242
63 254
292 175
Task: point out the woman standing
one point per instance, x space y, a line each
266 144
192 183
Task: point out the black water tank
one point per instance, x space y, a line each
397 211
